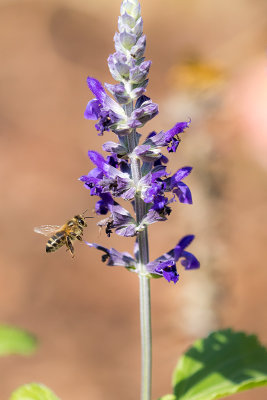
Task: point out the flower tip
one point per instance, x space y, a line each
96 88
89 244
90 80
186 241
82 178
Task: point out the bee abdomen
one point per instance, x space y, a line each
55 242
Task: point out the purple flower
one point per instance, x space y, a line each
160 204
114 257
168 270
106 178
109 113
120 220
91 181
155 184
176 186
165 265
172 137
150 149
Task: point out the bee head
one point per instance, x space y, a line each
80 220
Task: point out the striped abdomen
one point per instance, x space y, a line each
56 241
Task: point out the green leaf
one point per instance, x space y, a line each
16 341
33 391
222 364
168 397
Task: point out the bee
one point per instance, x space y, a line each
63 235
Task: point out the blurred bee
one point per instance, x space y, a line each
63 235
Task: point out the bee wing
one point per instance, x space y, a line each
46 230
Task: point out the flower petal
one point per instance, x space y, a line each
107 169
183 193
186 241
114 257
92 110
97 89
190 261
176 129
180 175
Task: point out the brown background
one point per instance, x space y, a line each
209 63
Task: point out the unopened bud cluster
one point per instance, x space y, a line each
127 65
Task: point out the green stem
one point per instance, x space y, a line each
146 339
144 280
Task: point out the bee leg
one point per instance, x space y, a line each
70 246
79 237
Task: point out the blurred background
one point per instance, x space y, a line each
208 64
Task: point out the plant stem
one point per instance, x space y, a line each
146 342
144 280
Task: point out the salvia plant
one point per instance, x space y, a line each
135 170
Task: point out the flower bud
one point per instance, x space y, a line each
119 92
138 50
138 29
118 66
139 72
126 23
124 41
132 8
144 113
138 90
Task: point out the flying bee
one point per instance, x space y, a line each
63 235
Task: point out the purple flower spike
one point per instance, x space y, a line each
134 170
